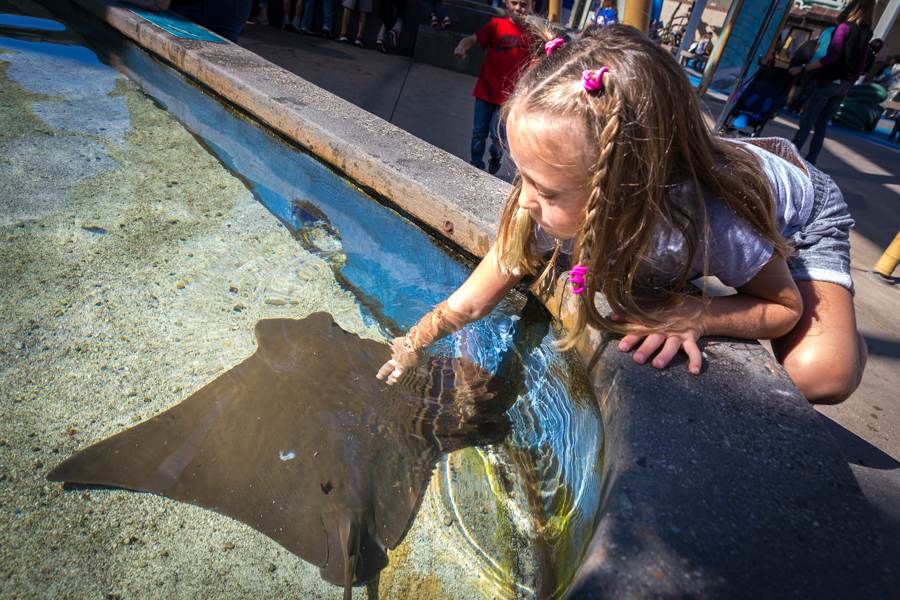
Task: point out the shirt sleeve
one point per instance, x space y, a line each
485 35
736 251
837 42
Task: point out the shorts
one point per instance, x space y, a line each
822 246
365 6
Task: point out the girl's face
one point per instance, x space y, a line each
555 186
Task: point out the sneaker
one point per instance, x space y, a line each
393 34
295 23
494 165
326 33
445 24
343 38
358 41
306 31
260 21
287 26
434 21
379 45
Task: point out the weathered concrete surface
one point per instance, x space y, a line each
769 508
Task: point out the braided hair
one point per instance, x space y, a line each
641 134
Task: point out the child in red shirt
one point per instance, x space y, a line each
507 54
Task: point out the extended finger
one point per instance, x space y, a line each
386 369
695 357
650 345
668 352
628 342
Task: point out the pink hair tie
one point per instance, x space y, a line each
592 79
553 45
577 278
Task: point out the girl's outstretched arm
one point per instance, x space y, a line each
478 296
766 307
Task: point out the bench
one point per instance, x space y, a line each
699 60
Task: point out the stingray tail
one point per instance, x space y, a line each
350 541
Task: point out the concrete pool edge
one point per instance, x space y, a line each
787 534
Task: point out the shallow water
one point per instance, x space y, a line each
135 266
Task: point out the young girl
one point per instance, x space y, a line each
618 169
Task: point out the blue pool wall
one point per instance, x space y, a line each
723 485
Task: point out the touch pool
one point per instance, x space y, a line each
139 252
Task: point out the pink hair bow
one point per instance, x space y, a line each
553 45
577 278
592 79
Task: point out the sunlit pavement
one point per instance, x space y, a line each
437 105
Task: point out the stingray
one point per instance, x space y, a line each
302 443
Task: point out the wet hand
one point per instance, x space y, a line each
391 370
668 343
404 357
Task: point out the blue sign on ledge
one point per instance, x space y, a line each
176 25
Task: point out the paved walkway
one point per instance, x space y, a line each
436 105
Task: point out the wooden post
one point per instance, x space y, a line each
889 260
554 11
713 62
637 14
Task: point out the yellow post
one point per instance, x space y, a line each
637 14
713 63
554 11
781 25
889 260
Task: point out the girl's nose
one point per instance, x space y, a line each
527 200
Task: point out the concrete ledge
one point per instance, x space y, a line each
720 485
441 190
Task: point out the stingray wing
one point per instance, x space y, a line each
300 441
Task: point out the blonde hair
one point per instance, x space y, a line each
642 133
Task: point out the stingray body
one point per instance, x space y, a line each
302 443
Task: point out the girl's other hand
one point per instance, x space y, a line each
667 342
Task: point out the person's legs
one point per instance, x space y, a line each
328 17
362 24
824 354
480 130
895 132
496 149
262 16
345 20
439 10
395 31
309 12
298 13
831 106
379 40
814 106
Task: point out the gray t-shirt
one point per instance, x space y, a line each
737 252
